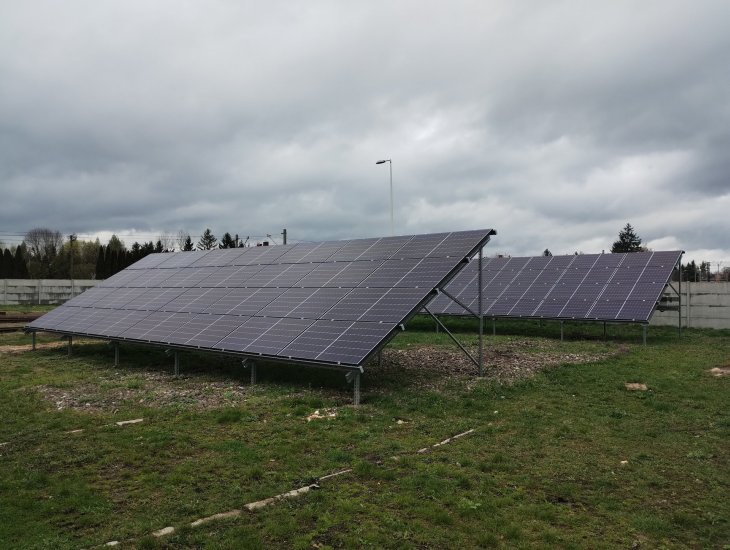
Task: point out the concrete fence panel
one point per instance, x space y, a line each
15 292
704 305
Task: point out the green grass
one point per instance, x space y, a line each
543 468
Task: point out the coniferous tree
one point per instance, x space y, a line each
158 247
207 240
115 243
3 272
188 245
136 251
628 241
99 270
20 267
547 252
227 241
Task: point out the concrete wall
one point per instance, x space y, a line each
704 305
41 291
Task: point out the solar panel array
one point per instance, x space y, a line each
332 302
598 287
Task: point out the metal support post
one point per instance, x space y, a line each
33 336
116 354
481 317
253 372
177 364
494 326
70 343
645 327
561 331
356 389
679 297
604 330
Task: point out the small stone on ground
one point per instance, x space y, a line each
636 386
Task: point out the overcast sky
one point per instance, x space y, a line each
553 122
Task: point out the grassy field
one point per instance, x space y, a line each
562 453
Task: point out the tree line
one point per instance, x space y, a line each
45 254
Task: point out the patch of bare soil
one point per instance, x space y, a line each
421 366
433 366
28 347
720 371
151 389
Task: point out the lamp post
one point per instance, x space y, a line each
390 166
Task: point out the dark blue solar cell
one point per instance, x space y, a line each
219 328
278 336
390 273
354 273
231 299
245 335
140 329
352 250
324 275
221 258
387 247
183 259
396 304
355 344
315 339
287 302
421 246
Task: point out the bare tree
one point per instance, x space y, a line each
180 239
43 245
167 240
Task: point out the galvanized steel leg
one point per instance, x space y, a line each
70 343
356 389
481 318
116 354
177 365
494 326
561 331
644 331
253 372
679 300
604 330
33 335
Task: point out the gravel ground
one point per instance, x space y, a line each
427 367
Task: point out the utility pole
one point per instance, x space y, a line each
71 241
283 236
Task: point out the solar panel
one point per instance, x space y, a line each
594 287
332 303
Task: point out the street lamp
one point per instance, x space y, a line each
390 165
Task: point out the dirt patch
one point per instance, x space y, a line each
151 389
428 367
720 371
636 386
433 366
29 347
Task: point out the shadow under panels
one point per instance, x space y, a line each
334 302
595 287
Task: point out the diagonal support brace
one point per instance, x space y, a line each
459 302
456 341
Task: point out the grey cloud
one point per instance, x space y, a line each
555 123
